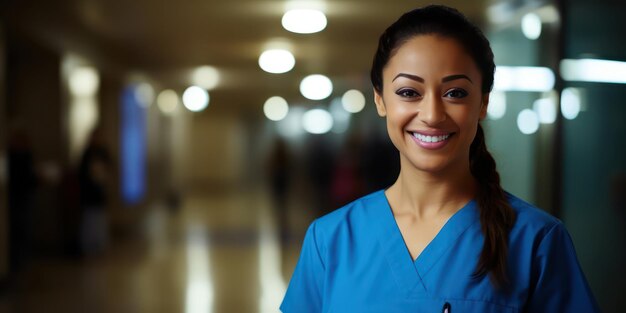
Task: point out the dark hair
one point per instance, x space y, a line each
496 215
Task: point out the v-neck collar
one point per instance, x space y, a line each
409 273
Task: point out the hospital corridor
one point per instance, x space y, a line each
170 156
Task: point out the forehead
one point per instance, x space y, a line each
432 54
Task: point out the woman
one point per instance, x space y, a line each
444 237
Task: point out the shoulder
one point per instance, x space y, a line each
528 215
353 212
354 219
532 224
543 255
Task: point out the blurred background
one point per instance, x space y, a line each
160 156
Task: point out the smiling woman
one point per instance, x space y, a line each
435 106
445 236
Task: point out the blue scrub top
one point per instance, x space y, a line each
355 260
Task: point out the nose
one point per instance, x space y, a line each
432 111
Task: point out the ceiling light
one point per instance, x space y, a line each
277 61
528 122
593 70
304 21
317 121
570 103
167 101
206 77
316 87
195 99
84 81
497 105
353 101
546 110
276 108
531 26
523 78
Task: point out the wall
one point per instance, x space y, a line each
593 180
514 152
594 170
214 154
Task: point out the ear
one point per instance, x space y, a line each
380 104
483 106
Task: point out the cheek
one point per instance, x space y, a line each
397 118
469 126
398 115
467 114
467 123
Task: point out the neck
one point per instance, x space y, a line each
427 194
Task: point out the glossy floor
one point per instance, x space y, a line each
218 253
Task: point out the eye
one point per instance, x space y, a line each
456 93
407 93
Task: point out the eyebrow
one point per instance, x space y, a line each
409 76
453 77
443 80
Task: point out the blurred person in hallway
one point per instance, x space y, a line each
93 172
379 162
445 236
279 167
319 164
347 179
21 190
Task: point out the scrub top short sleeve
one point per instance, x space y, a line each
559 283
306 286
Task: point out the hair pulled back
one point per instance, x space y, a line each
496 215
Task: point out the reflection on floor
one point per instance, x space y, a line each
218 253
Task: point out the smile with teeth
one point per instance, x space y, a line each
425 138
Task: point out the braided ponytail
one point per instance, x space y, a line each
496 215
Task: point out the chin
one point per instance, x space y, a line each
433 169
429 165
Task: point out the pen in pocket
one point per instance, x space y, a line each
447 308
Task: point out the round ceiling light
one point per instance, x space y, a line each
167 101
276 108
195 99
304 21
531 26
277 61
528 122
570 103
316 87
353 101
206 77
317 121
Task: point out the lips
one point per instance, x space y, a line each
432 139
427 138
